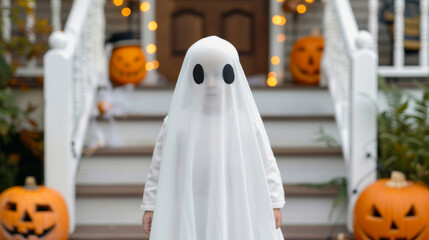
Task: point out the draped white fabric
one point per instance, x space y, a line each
212 181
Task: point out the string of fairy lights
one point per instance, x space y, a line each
151 26
278 20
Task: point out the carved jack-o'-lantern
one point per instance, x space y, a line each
393 209
127 63
32 212
305 60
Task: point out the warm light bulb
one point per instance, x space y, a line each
301 8
144 6
126 12
151 48
275 60
272 81
118 2
281 37
152 25
155 64
148 66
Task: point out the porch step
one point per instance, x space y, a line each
103 191
283 130
278 151
130 165
113 204
135 232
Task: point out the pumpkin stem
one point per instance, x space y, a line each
30 183
397 180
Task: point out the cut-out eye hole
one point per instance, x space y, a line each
119 58
411 212
320 49
198 74
136 59
375 212
228 74
301 49
43 208
11 206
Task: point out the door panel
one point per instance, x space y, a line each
244 23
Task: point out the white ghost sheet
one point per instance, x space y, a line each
213 175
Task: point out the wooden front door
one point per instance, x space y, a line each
244 23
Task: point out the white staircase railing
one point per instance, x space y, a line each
71 69
349 67
30 69
399 69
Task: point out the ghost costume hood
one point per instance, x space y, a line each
212 182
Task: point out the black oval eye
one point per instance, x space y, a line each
198 74
228 74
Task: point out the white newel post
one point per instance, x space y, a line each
363 119
59 169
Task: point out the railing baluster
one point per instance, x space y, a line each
398 52
424 34
373 20
56 15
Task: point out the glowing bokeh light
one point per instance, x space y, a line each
151 48
155 64
309 1
144 6
148 66
301 8
278 20
152 25
281 37
272 74
272 81
126 12
118 2
275 60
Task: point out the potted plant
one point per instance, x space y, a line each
21 143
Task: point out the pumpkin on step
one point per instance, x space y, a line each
305 58
127 63
392 209
33 212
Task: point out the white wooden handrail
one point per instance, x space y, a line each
349 67
72 69
399 69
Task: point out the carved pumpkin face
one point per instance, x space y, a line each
38 213
305 60
389 213
127 65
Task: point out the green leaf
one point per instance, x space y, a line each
5 73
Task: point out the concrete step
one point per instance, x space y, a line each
120 205
283 131
135 232
131 165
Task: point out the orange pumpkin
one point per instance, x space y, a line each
392 209
127 64
32 212
305 60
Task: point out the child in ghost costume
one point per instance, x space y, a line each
213 174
